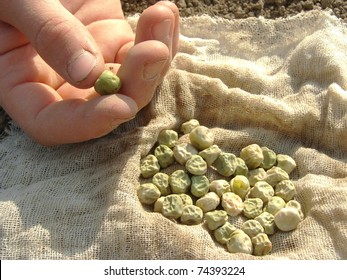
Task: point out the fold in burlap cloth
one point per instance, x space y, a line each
278 83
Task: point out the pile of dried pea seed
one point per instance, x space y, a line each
256 185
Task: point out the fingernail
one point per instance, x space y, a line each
152 71
162 32
80 67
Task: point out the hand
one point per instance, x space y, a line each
52 52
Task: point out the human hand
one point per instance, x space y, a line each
52 52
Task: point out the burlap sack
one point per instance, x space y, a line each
277 83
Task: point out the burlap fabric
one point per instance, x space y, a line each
278 83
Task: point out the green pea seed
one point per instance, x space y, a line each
199 186
107 83
223 233
196 165
216 218
148 193
179 182
164 155
149 166
192 215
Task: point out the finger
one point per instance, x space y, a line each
142 70
175 37
41 113
10 38
60 39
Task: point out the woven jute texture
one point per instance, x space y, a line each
278 83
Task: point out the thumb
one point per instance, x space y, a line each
58 37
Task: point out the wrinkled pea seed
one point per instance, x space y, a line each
219 186
267 221
196 165
148 193
188 126
252 207
262 190
183 152
161 180
240 185
240 242
164 155
107 83
255 175
158 205
274 204
149 166
275 175
168 137
252 155
172 206
210 154
286 162
186 199
191 215
285 189
225 164
201 137
216 218
232 204
223 233
200 185
261 244
208 202
241 167
179 181
269 158
252 228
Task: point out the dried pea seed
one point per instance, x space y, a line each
252 155
161 180
223 233
269 158
196 165
232 203
287 218
158 205
252 207
107 83
168 137
252 228
295 204
216 218
267 221
200 185
179 181
210 154
285 189
186 199
208 202
286 162
261 244
172 206
191 215
262 190
225 164
188 126
255 175
275 175
148 193
149 166
241 167
219 187
274 204
240 242
164 155
183 152
240 185
201 137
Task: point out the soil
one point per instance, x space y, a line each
230 9
235 9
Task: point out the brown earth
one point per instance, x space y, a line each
234 9
230 9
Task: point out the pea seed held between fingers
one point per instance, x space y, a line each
107 83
